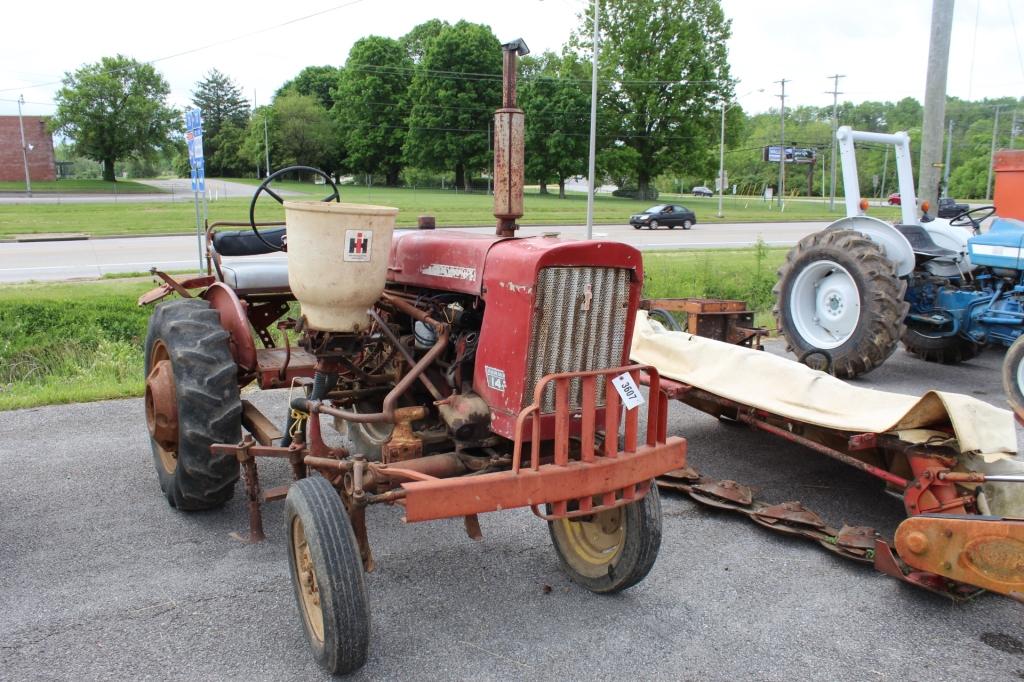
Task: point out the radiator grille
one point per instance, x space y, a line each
579 324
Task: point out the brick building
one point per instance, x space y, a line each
41 164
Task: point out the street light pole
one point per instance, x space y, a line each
593 129
24 147
266 143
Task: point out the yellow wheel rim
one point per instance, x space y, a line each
309 591
590 546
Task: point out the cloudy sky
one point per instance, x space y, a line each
880 45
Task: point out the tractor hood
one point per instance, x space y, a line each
1001 247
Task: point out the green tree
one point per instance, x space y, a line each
115 109
556 103
300 131
417 40
668 65
225 115
454 91
371 106
314 81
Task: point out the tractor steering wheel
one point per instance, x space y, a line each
967 219
265 187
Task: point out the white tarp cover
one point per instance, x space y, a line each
793 390
985 435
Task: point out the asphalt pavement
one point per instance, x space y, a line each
61 260
100 579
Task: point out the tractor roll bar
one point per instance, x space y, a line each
904 169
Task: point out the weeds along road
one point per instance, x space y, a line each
59 260
100 579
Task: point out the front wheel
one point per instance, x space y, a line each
327 576
653 225
687 224
1013 377
838 296
612 550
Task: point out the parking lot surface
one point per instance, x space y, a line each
100 579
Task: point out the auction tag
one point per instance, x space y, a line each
628 390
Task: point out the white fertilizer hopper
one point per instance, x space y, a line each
337 261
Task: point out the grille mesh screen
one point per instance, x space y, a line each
579 324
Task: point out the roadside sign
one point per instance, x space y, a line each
197 168
793 154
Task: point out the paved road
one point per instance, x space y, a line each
178 189
95 257
99 579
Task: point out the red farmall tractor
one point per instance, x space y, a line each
470 373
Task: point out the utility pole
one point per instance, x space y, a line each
24 147
835 122
1013 130
782 148
593 128
949 155
934 103
992 155
721 162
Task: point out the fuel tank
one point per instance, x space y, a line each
1001 246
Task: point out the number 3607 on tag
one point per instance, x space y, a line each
628 390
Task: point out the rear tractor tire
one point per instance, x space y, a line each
327 575
838 300
947 350
1013 377
613 550
192 401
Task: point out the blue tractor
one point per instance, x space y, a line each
849 294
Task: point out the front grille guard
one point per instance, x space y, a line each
590 382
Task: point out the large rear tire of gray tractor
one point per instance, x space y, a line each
838 298
948 350
1013 377
327 576
612 550
188 334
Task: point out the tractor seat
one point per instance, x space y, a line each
256 275
922 244
245 243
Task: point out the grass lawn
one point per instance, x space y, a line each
450 208
81 187
74 342
71 342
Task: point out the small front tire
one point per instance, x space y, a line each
612 550
687 224
327 576
653 225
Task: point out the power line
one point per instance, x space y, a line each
213 44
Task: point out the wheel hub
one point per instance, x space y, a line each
825 304
593 544
162 406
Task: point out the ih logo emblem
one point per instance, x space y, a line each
357 245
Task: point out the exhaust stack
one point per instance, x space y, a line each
508 145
